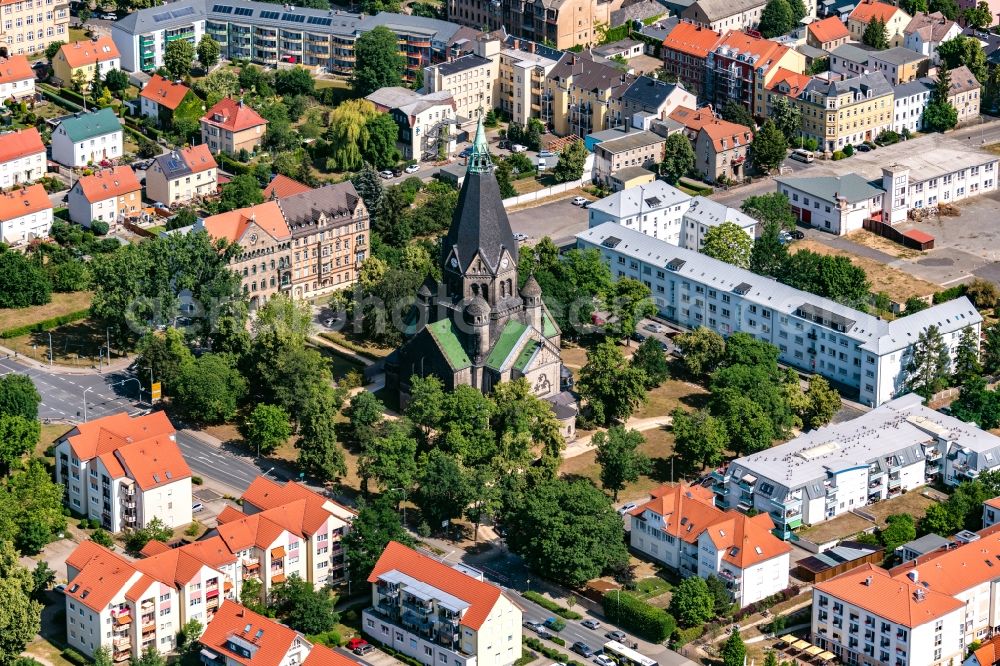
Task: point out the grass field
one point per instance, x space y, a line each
845 525
897 284
61 304
659 447
75 344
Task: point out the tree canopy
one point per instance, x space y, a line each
728 242
378 63
678 158
620 459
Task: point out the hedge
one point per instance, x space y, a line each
74 657
652 623
61 101
550 605
699 187
527 656
558 641
232 166
45 324
949 294
684 636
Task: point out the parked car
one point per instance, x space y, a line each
655 328
591 624
109 17
59 589
355 643
197 507
583 649
518 148
363 650
626 508
604 660
796 234
396 173
385 174
504 144
546 153
413 168
862 148
619 636
579 201
519 237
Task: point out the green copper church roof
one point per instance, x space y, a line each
479 159
509 336
447 341
527 353
549 328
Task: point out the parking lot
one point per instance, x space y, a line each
559 220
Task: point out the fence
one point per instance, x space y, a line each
888 231
544 193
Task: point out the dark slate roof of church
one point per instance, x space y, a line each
480 224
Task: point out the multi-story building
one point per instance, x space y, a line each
850 60
31 25
231 126
25 214
636 148
899 64
182 175
423 41
909 101
848 111
22 157
265 263
524 67
837 204
963 93
237 636
685 54
562 23
681 528
160 98
821 474
787 84
991 512
439 614
647 100
723 15
142 36
859 351
82 61
282 186
741 66
583 95
427 122
124 471
87 137
895 20
17 78
469 79
134 607
926 32
868 616
827 34
947 175
720 147
330 227
108 195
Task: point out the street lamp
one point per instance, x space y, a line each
89 388
403 490
50 348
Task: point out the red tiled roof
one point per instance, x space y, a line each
480 596
23 201
108 183
744 44
273 640
868 10
828 30
989 653
98 436
233 115
321 655
165 92
19 144
283 186
102 575
691 39
794 82
197 158
234 224
153 463
15 68
993 502
266 494
732 134
87 52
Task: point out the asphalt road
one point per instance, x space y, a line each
218 464
559 220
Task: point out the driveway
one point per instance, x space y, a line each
559 220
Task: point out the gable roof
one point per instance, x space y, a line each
85 125
271 641
725 135
861 85
649 92
480 595
165 92
266 494
108 183
153 463
282 186
786 79
88 52
15 68
930 27
868 10
102 575
338 202
761 52
232 115
746 541
989 653
898 55
88 440
23 201
828 30
691 39
19 144
186 161
961 79
715 10
851 187
321 655
234 224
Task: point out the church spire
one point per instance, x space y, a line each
479 159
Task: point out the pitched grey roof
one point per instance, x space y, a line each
634 200
962 80
899 55
163 17
648 93
480 224
588 73
462 64
435 29
338 202
925 544
911 88
631 141
638 11
851 187
720 9
660 29
874 82
172 165
811 51
857 53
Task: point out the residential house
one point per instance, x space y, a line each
895 20
25 214
182 175
265 260
584 95
723 15
29 28
87 138
648 99
741 66
898 64
625 49
427 122
909 101
926 32
720 147
524 67
630 177
562 23
107 195
123 471
469 622
991 512
282 186
22 157
637 148
685 53
330 229
850 60
827 34
17 78
963 93
837 204
231 126
787 84
987 654
681 528
848 111
160 98
469 79
82 61
693 290
237 636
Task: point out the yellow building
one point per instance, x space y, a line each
31 25
895 20
838 113
583 96
86 59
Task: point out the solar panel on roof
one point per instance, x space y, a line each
319 20
293 18
243 11
163 16
269 15
184 11
222 9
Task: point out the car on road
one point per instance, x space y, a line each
579 201
546 153
862 148
59 589
531 624
591 624
518 148
385 174
504 144
619 636
583 649
355 643
197 507
519 237
413 168
655 328
604 660
362 650
626 508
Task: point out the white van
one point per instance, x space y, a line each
803 155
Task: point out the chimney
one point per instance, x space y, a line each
868 581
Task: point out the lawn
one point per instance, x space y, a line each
651 587
74 344
60 304
894 282
671 394
357 344
845 525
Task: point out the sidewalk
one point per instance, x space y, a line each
583 444
116 365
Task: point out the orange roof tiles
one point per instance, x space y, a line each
743 44
993 502
255 530
97 436
726 135
283 186
87 52
746 541
23 201
234 224
956 570
14 145
868 10
793 82
198 158
139 588
233 115
154 547
15 68
173 567
266 494
153 463
691 39
828 30
321 655
272 640
896 598
165 92
989 653
228 514
480 596
107 183
102 575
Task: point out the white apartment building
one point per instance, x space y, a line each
29 26
427 123
639 148
821 474
131 607
468 621
815 334
908 106
946 174
738 549
22 157
837 204
25 214
142 37
87 138
662 211
125 471
868 616
521 82
17 78
470 79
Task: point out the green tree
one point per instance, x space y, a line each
380 148
976 404
876 35
377 61
252 595
242 191
929 367
628 301
42 578
620 459
116 80
772 208
22 281
734 652
208 52
365 416
266 427
771 658
102 657
786 116
913 7
701 351
210 389
426 408
167 354
652 360
443 491
101 537
612 387
947 7
568 531
20 615
18 436
914 304
302 607
524 427
818 66
965 50
178 58
967 363
940 115
53 48
728 242
899 529
799 10
823 403
748 424
990 355
390 458
294 81
735 112
571 162
979 17
155 530
376 524
678 158
983 294
700 439
189 635
150 657
722 597
776 19
19 397
319 452
369 186
38 507
692 603
769 146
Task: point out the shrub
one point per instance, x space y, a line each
197 480
558 641
329 638
99 227
810 144
838 155
74 657
45 324
550 605
652 623
948 294
848 150
684 636
527 656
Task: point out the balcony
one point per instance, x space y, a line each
933 454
